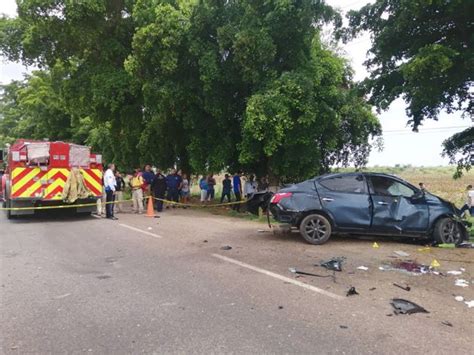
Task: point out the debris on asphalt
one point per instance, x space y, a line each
406 288
262 231
375 245
470 304
461 283
365 268
435 263
466 245
402 306
459 298
280 307
343 327
449 324
334 264
352 291
294 271
226 247
454 272
372 288
149 228
401 253
204 241
447 245
408 266
425 249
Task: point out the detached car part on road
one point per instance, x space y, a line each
366 203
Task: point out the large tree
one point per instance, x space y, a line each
248 84
422 51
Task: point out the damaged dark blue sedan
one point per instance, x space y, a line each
366 203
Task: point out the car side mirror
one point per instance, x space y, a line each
418 195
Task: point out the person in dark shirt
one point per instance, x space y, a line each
119 188
173 184
148 177
159 187
237 182
226 188
211 182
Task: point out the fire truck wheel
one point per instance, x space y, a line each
7 204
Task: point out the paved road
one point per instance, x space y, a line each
144 285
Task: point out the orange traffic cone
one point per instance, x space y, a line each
150 212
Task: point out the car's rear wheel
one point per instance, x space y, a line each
315 229
448 231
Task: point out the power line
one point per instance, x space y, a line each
425 130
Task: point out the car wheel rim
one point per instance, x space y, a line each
316 229
451 232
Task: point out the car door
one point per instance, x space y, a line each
346 199
397 207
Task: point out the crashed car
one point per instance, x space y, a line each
366 203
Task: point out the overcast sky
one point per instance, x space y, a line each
401 146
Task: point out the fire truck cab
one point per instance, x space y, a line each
36 173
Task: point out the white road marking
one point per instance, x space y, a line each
141 231
280 277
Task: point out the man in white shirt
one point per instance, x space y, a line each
110 186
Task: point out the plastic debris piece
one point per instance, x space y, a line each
470 304
461 283
205 241
365 268
294 271
435 263
446 245
149 228
449 324
375 245
462 269
459 298
226 247
352 292
466 245
343 326
454 272
402 306
372 288
334 264
406 288
425 249
62 296
401 253
280 307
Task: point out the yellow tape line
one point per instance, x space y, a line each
121 201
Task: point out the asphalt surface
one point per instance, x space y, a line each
165 285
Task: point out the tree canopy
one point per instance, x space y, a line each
422 51
207 85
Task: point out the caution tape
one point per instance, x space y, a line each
33 208
199 206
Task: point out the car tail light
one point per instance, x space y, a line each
280 196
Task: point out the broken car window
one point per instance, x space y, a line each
346 183
389 187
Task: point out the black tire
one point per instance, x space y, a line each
448 231
315 229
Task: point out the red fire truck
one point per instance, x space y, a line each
36 173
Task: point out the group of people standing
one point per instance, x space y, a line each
175 186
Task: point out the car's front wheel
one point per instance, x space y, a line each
448 231
315 229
